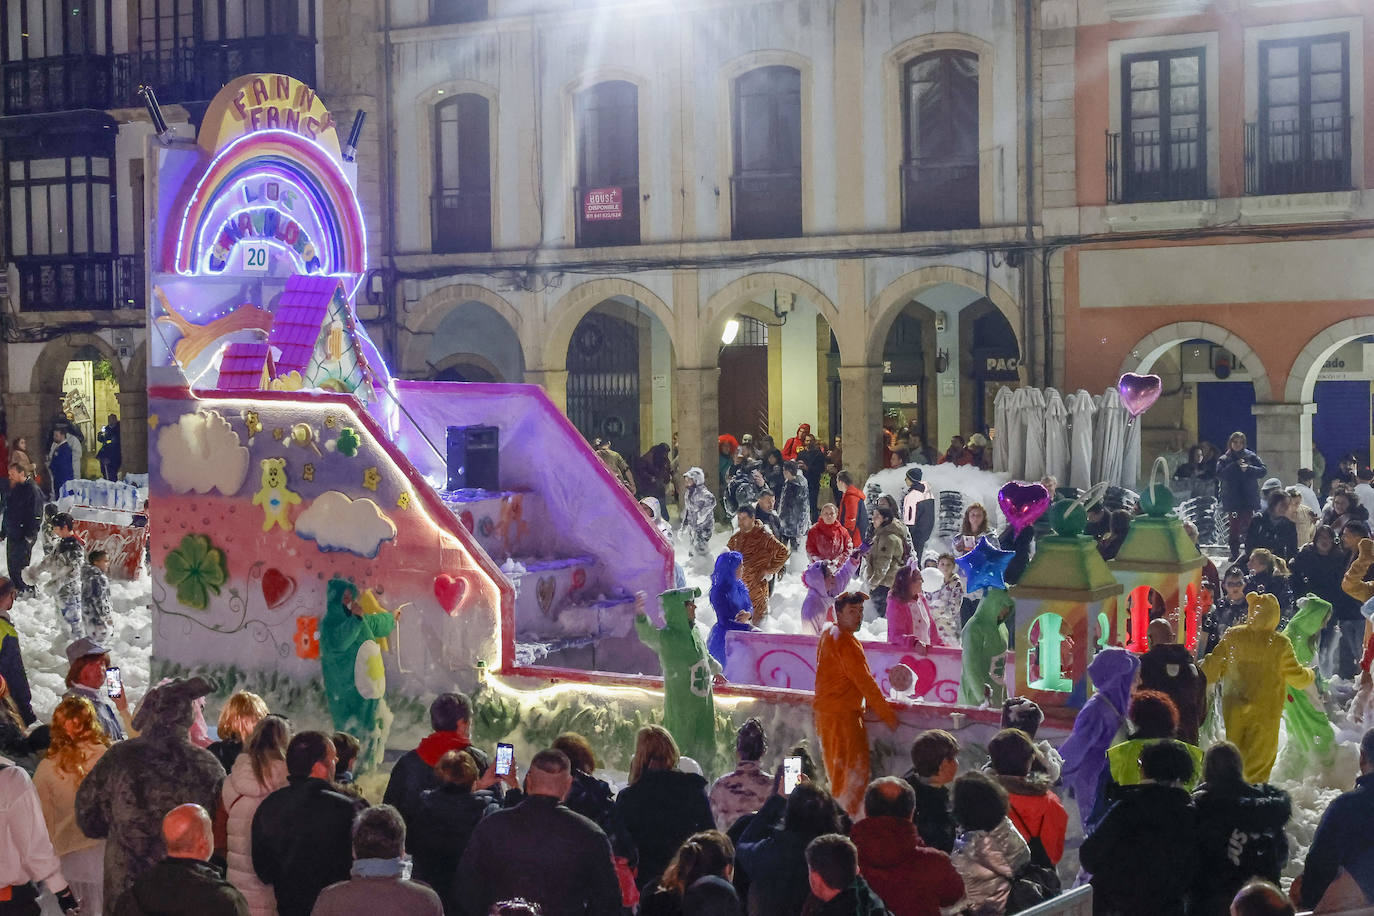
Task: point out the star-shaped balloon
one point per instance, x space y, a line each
985 565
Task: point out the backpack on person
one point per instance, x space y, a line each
1037 880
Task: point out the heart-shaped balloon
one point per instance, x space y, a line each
1139 392
1022 503
277 587
449 591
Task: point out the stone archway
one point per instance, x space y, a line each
1144 354
581 299
726 302
421 322
888 304
1302 377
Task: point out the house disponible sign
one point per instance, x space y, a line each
603 203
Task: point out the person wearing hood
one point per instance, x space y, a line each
1112 673
1255 665
698 511
1143 854
793 446
348 648
988 851
837 888
828 540
910 877
763 558
844 684
918 511
1169 668
653 513
730 600
794 505
689 672
1240 831
984 641
450 717
1304 714
1035 811
136 782
824 582
257 772
653 473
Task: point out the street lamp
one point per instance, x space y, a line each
731 331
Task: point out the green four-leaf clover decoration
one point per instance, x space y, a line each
196 568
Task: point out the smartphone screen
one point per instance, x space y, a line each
791 772
505 753
114 684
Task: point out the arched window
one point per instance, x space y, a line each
940 146
606 121
766 186
460 208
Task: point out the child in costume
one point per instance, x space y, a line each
1112 672
1309 729
353 670
730 601
698 511
65 558
97 609
823 583
689 672
985 647
947 599
909 620
1254 662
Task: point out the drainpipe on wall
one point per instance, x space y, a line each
1027 259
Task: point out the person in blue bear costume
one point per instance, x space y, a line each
730 601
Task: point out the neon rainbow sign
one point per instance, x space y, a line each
221 210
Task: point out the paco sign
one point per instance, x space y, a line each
602 204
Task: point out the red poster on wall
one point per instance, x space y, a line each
602 203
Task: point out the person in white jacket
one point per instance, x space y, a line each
257 772
26 853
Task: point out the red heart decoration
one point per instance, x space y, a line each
579 578
1022 503
466 518
449 590
1139 392
277 587
925 672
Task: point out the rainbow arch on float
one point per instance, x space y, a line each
342 246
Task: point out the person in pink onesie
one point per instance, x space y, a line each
823 583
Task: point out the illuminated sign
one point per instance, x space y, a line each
271 216
267 101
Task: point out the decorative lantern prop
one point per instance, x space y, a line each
1065 601
1160 569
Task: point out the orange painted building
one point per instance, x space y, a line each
1220 157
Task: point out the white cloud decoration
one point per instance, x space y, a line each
335 522
202 452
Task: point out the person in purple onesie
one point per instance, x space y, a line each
1113 673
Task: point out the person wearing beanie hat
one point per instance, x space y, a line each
918 511
698 511
689 672
1304 713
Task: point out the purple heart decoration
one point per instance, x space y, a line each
1139 392
1022 503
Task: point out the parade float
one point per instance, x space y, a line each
318 537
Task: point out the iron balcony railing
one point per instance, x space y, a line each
1298 156
599 233
461 221
1150 165
766 205
939 194
88 283
57 84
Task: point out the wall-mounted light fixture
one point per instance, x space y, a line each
942 361
783 303
164 133
350 150
731 331
941 322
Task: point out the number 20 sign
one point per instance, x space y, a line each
254 256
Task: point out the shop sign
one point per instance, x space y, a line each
995 367
603 204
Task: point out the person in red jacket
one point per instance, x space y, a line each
827 539
792 446
912 878
1035 812
851 498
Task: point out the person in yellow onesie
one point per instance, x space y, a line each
843 684
1255 665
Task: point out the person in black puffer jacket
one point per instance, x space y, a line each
444 821
1142 856
662 806
1239 831
593 799
1318 570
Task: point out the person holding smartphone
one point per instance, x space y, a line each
89 676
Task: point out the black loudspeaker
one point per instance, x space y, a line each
474 460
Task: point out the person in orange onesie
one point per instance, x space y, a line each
843 684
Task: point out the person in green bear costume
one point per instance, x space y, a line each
351 662
984 642
689 672
1309 729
